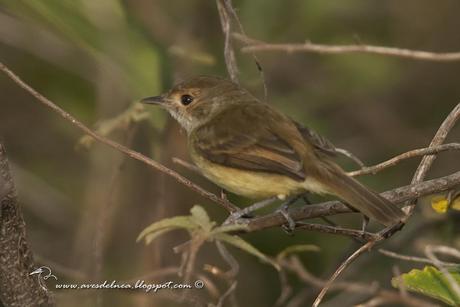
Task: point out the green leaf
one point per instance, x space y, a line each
178 222
245 246
153 235
229 228
297 249
430 282
201 218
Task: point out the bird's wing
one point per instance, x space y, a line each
246 138
320 143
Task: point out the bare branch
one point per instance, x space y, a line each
437 140
351 156
340 269
356 234
295 266
410 154
253 45
229 53
187 165
396 196
131 153
414 258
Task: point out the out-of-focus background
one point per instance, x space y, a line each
85 204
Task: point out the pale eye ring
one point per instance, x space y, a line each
186 99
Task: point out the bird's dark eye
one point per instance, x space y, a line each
186 99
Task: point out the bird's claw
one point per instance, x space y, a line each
238 217
289 227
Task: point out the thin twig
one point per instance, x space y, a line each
396 196
340 269
230 260
230 9
295 266
227 293
230 275
131 153
229 53
253 45
351 156
410 154
356 234
402 288
437 140
187 165
413 258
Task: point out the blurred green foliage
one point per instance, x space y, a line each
431 282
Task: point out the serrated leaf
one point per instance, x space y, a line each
247 247
177 222
297 249
440 204
430 282
200 217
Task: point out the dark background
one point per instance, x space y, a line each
84 207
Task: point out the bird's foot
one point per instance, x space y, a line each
364 224
244 214
289 227
238 217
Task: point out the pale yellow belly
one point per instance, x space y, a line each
256 185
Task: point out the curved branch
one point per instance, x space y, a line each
443 130
253 45
409 154
397 196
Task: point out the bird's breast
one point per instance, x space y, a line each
251 184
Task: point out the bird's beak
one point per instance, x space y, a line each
157 100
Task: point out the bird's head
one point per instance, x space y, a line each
196 100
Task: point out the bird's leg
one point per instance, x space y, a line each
364 224
284 211
246 211
223 194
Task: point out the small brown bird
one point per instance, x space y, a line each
249 148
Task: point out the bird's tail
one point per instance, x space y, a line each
359 197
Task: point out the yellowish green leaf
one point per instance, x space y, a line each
247 247
300 248
201 218
177 222
229 228
430 282
153 235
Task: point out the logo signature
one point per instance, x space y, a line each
43 273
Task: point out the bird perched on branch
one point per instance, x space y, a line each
249 148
